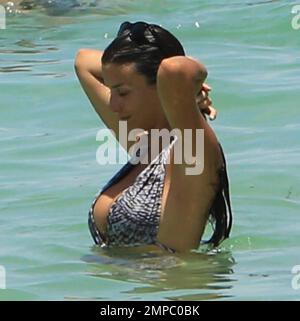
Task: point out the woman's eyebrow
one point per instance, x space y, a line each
117 85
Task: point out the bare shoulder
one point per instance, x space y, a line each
188 202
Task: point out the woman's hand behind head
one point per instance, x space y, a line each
204 102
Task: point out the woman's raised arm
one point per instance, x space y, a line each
88 68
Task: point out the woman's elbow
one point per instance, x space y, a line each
176 69
80 58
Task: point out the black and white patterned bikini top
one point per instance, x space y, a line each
133 219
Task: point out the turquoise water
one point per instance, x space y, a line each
49 174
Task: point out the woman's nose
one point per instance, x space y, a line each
115 104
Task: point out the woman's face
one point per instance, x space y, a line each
132 98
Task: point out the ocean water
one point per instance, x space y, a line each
49 174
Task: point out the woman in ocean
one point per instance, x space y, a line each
144 78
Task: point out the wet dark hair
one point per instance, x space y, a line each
221 212
143 44
146 45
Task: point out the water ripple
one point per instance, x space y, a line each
16 68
